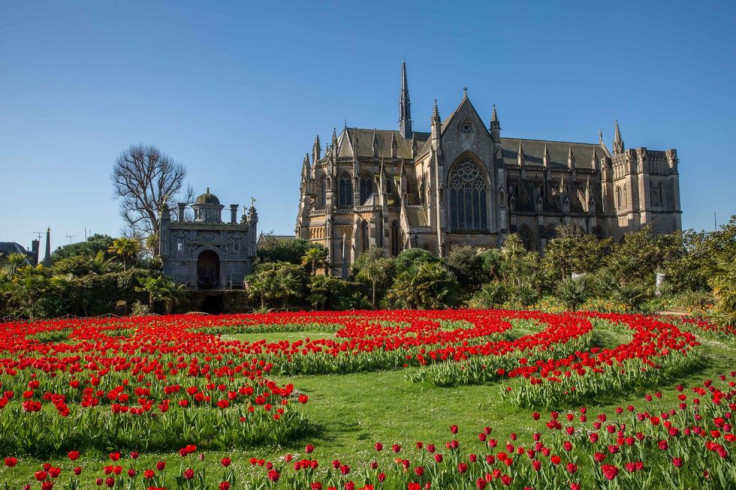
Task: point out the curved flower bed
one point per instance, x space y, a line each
172 382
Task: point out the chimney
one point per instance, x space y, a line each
182 207
233 213
35 246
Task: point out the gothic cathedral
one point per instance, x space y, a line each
462 183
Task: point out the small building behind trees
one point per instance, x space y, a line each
205 253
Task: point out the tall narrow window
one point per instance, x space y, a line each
395 238
661 197
618 197
366 188
468 191
345 191
364 235
323 192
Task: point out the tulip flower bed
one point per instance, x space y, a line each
141 388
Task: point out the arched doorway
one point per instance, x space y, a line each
208 270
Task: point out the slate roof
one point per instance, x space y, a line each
558 151
361 143
8 248
268 239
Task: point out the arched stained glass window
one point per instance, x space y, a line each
345 191
468 191
366 188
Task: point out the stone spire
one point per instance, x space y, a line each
570 159
618 143
316 150
521 161
495 125
333 144
545 157
404 105
306 168
520 157
546 163
47 257
436 125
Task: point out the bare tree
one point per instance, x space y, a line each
144 179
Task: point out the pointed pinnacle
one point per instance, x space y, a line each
404 83
435 112
494 115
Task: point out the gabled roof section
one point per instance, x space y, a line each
558 152
465 105
359 142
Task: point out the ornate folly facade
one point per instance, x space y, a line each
204 252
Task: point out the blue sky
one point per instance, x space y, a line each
236 92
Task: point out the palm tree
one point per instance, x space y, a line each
125 248
723 282
12 265
161 289
315 257
376 269
427 286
